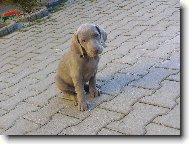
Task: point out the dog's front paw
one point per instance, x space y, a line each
94 93
82 106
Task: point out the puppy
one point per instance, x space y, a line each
79 64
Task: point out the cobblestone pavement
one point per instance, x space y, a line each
139 72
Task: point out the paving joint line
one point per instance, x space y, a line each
166 113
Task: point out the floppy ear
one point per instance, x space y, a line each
76 45
103 35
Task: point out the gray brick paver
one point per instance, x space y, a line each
163 51
172 119
56 125
141 67
44 96
105 131
110 69
43 115
165 96
175 77
8 119
2 112
92 124
136 120
16 99
20 127
124 101
131 57
115 85
155 129
172 63
153 78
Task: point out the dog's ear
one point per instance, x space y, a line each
76 45
103 35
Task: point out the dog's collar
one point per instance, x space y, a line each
84 53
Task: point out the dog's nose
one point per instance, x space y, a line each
95 50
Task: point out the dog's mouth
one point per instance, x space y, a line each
93 54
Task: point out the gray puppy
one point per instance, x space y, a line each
79 64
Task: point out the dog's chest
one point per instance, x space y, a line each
90 68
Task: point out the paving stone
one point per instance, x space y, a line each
20 127
48 58
161 26
91 125
4 84
137 30
173 63
2 112
3 97
7 60
19 68
55 125
16 99
42 74
152 43
4 77
159 8
23 56
125 47
110 69
153 78
141 67
105 131
163 51
8 119
155 129
172 119
43 84
43 97
124 101
15 88
131 57
135 121
174 40
43 115
145 36
19 76
107 58
170 31
94 102
165 96
7 54
120 80
174 17
121 39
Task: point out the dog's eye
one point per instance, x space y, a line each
95 35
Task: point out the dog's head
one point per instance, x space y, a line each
90 39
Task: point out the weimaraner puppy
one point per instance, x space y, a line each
79 64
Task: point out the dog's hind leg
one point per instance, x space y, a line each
68 91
